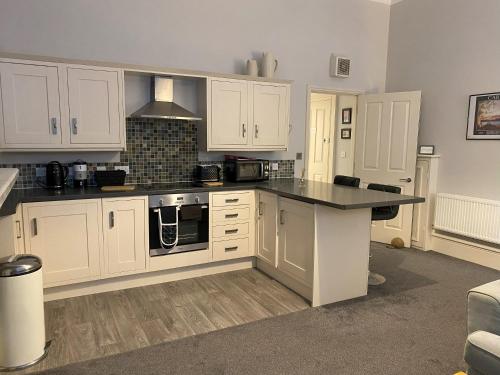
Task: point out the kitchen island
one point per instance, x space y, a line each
313 237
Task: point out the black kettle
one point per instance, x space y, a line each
56 175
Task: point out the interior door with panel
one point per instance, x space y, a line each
124 232
95 106
30 103
66 236
228 114
296 240
269 115
267 222
386 153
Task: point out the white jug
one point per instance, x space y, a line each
252 68
269 65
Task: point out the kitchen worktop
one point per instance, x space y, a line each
7 179
336 196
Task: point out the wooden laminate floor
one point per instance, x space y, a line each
103 324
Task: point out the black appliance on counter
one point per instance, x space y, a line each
178 223
207 173
240 170
56 175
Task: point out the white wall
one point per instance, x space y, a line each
215 35
449 49
345 165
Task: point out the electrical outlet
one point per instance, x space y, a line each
40 172
342 154
298 156
122 168
274 166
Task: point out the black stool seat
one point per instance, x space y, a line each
346 181
385 212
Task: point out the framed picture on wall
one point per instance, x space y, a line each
346 116
484 116
345 133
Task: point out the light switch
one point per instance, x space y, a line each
343 154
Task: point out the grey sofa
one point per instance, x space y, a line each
482 349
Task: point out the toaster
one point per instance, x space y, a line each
207 173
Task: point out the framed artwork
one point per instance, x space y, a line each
345 133
484 116
346 116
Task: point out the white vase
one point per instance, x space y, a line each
269 65
252 68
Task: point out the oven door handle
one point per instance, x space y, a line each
161 225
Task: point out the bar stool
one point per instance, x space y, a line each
346 181
382 213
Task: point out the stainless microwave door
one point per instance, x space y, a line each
250 171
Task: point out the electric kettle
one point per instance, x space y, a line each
56 175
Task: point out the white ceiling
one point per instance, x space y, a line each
388 2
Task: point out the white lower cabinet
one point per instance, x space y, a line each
267 240
124 235
66 235
296 240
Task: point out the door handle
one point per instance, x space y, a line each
256 131
261 208
231 216
74 124
282 217
233 248
53 123
236 200
244 131
111 219
35 227
405 179
231 231
18 228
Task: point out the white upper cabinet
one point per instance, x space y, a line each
247 115
51 106
94 106
228 114
270 116
30 103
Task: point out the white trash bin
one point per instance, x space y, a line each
22 325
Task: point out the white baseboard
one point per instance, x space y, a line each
466 250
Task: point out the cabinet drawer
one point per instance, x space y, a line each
231 199
229 215
230 249
231 230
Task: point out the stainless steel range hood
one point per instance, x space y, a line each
162 104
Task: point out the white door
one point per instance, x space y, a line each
66 236
267 227
386 152
269 115
30 103
296 240
124 229
229 114
94 106
321 132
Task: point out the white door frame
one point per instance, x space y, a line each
322 90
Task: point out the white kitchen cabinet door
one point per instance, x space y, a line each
267 240
296 240
228 122
66 236
95 106
269 116
124 232
30 104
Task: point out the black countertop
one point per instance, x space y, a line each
341 197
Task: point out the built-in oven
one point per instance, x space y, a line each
178 223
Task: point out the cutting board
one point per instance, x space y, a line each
118 188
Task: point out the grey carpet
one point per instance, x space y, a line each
413 324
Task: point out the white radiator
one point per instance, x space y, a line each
470 217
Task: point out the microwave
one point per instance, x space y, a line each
246 170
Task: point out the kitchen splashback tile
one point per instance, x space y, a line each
157 151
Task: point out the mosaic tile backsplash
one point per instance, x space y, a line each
158 151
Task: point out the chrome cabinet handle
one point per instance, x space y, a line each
282 217
111 219
405 179
74 124
229 216
233 248
244 131
256 131
261 208
53 123
35 227
231 231
18 229
236 200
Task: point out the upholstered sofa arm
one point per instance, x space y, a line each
482 353
483 308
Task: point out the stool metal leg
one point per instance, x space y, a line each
375 279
